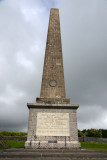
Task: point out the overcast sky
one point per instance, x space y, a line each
23 33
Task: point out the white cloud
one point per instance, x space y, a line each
23 61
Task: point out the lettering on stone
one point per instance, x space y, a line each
52 124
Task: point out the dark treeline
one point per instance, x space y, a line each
102 133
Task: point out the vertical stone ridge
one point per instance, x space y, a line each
53 85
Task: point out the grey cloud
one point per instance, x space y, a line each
84 40
23 31
21 60
92 118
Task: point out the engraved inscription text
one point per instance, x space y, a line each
52 124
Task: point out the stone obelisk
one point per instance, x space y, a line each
52 119
53 85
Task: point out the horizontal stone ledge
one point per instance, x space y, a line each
36 142
53 100
52 106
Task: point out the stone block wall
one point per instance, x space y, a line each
36 141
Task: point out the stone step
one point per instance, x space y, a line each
49 150
49 158
51 154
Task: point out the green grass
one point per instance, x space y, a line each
13 144
87 145
7 133
94 145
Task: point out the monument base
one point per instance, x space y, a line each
46 144
52 126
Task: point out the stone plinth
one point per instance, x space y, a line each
52 126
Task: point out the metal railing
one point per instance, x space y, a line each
93 139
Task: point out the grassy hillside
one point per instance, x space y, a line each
6 133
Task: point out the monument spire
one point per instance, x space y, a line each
52 119
53 85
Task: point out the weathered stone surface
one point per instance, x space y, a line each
53 85
71 140
52 119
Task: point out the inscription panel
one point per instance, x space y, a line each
52 124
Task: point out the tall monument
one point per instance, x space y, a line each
52 119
